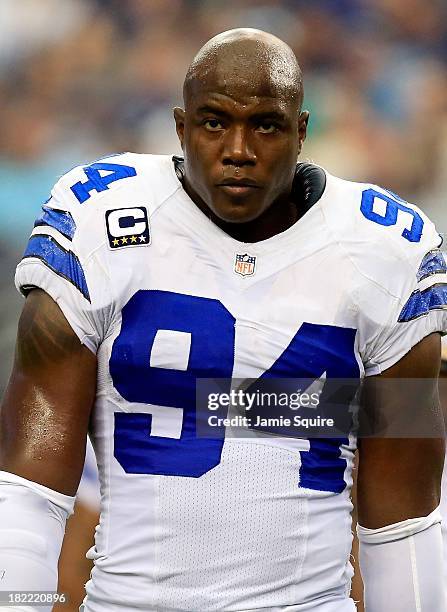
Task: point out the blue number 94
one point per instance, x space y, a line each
394 205
167 341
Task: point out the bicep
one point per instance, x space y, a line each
47 405
399 477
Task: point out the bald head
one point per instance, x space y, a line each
255 60
242 128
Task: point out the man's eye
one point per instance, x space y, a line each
213 125
267 128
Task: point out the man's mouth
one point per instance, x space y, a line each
238 186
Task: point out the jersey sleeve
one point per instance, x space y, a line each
63 258
406 302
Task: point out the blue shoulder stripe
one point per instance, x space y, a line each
59 219
421 302
63 263
433 263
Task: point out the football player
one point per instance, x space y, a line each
145 273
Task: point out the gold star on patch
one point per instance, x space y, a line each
142 238
124 240
133 239
116 242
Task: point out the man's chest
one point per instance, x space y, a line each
188 312
184 316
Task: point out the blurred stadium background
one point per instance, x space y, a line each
81 78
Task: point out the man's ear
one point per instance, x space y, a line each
179 117
302 127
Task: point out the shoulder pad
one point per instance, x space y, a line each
308 184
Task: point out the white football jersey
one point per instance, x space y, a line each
88 490
163 296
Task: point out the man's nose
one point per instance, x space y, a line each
238 148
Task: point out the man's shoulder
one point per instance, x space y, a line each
105 202
105 181
378 231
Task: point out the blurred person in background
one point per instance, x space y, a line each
169 498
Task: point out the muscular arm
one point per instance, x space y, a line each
398 491
400 478
46 409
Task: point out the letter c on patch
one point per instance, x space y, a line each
115 217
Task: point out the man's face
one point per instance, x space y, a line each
241 142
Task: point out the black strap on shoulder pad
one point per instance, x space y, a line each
179 166
308 185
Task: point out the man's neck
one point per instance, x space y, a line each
278 217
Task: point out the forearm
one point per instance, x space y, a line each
32 520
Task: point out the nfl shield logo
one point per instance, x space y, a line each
245 264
